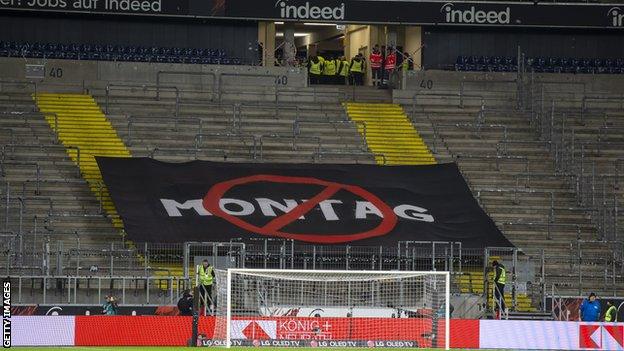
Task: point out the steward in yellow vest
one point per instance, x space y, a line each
500 279
343 71
612 312
315 68
330 68
357 70
205 278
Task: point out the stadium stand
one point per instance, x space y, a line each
507 155
521 170
359 174
296 131
46 203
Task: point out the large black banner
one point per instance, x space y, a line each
323 204
475 13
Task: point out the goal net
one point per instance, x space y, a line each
264 307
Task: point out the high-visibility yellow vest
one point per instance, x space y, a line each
610 311
330 68
315 68
356 66
405 64
344 69
502 279
205 275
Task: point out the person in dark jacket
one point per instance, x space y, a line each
110 307
590 309
185 304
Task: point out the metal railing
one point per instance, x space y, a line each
571 154
213 86
133 120
359 126
320 155
593 188
69 149
221 91
33 84
295 142
44 289
528 271
463 83
142 88
477 128
254 149
4 163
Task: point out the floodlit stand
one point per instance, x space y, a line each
323 308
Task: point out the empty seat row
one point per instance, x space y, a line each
540 64
117 53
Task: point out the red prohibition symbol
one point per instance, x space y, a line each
274 227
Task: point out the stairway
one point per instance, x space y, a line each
389 132
85 131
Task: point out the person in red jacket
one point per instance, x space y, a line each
389 64
376 59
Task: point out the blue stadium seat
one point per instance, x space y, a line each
88 51
569 65
460 63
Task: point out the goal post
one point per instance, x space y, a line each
330 308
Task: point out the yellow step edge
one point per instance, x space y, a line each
383 121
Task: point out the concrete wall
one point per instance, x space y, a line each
502 85
266 36
413 43
357 38
450 80
78 74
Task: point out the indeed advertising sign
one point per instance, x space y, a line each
616 15
474 15
144 7
421 12
309 10
455 13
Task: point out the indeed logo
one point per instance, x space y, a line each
617 16
472 15
308 11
